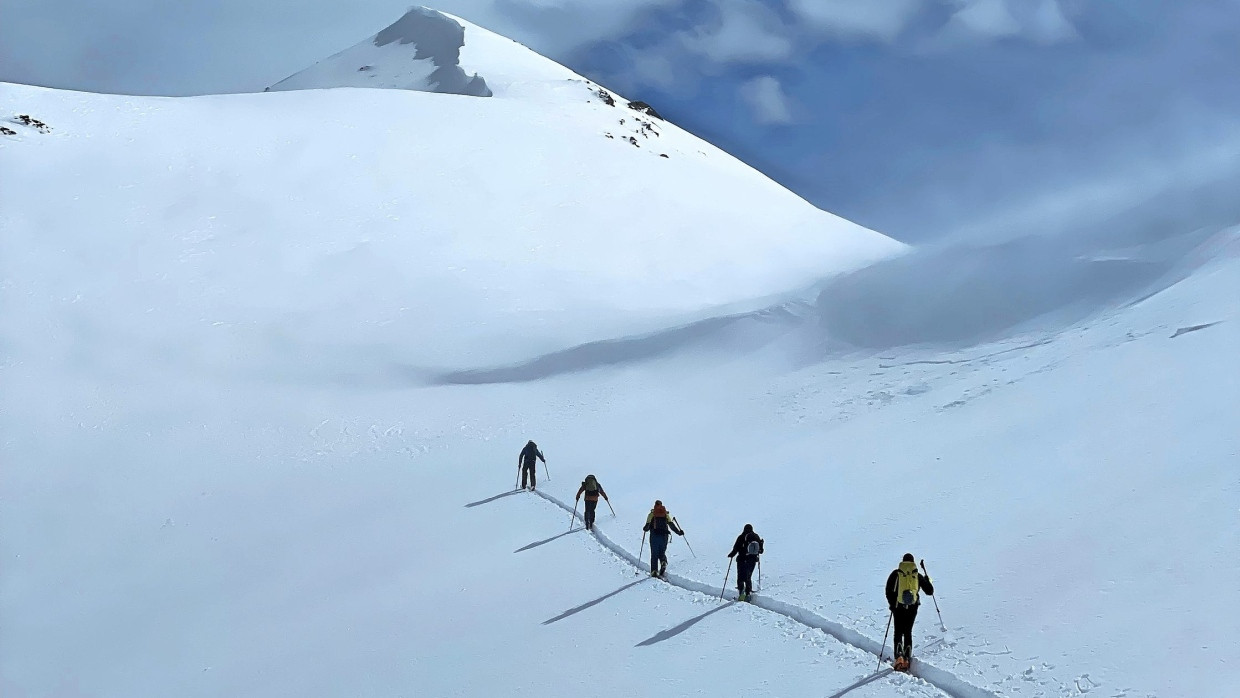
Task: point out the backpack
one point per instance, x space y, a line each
658 520
908 584
754 548
590 484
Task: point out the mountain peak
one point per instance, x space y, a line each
421 51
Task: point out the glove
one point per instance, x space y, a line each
682 532
892 608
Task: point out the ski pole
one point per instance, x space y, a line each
759 574
682 535
573 517
639 552
942 625
725 579
609 506
548 472
883 651
517 484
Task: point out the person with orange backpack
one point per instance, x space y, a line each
660 524
903 589
591 489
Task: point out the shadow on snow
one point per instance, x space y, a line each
673 632
548 540
863 681
595 602
488 500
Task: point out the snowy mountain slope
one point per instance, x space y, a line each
520 209
246 538
218 480
182 275
1071 492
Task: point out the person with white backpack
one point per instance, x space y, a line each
748 547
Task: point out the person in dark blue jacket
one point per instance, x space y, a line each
528 462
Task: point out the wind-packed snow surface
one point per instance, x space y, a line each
267 362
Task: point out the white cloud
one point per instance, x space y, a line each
1049 25
868 19
986 18
553 26
746 32
766 99
1039 21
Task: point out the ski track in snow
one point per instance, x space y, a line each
943 680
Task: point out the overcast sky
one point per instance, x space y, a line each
920 118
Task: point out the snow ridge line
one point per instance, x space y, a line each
941 679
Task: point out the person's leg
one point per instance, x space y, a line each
902 619
525 472
908 636
744 574
658 550
534 476
590 507
661 567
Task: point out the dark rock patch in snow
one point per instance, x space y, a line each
644 108
421 51
29 122
438 39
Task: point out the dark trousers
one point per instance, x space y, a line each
658 552
530 469
590 507
903 618
744 573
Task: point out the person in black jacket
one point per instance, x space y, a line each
591 488
746 549
528 462
904 585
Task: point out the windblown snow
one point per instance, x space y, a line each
268 361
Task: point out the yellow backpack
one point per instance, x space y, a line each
908 584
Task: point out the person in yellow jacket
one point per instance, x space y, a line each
661 524
903 590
